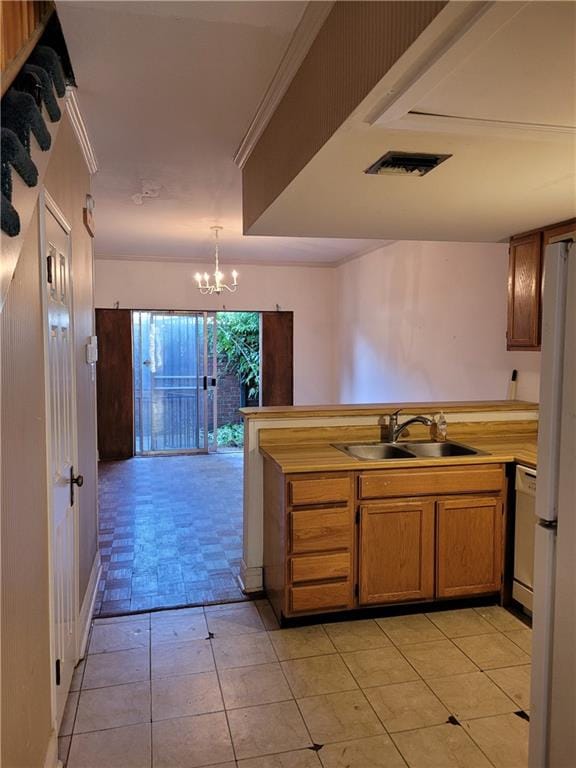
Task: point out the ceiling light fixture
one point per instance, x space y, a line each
204 282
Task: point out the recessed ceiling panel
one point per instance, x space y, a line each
526 72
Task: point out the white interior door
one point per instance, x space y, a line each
62 481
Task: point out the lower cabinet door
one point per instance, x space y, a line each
396 553
469 542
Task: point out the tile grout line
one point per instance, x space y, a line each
491 634
235 758
424 680
150 690
518 666
386 731
434 694
429 687
415 730
473 740
294 699
269 633
279 662
478 669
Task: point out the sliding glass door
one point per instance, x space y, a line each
175 366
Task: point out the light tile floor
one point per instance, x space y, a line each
222 686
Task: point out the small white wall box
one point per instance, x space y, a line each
92 350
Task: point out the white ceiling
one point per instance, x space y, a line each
168 90
505 91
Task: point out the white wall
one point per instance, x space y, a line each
418 321
307 291
412 321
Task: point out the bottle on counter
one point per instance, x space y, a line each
442 426
439 427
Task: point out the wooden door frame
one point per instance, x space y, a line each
191 310
46 201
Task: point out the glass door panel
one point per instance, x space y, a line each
170 385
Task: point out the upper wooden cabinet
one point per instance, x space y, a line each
524 292
525 272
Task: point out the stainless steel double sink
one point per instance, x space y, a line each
418 449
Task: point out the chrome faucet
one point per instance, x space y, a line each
395 429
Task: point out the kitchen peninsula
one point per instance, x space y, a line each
341 533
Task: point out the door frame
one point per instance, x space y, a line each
46 201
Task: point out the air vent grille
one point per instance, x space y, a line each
405 164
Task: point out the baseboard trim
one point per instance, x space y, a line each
251 578
87 609
51 760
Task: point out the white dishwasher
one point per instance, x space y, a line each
524 528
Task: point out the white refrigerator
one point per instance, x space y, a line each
553 694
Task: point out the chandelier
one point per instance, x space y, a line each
215 284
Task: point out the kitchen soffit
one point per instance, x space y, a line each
505 110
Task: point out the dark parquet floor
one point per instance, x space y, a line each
170 532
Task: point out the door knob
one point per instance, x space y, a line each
74 480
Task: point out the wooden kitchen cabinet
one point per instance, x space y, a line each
524 292
525 273
469 546
396 551
309 541
336 541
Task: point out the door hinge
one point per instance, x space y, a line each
357 516
356 590
57 671
49 268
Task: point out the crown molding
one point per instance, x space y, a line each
310 24
79 126
204 263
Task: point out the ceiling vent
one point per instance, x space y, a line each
405 164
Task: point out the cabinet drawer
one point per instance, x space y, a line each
318 597
318 530
430 481
320 490
320 567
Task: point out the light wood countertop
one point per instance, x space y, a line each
520 449
381 409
